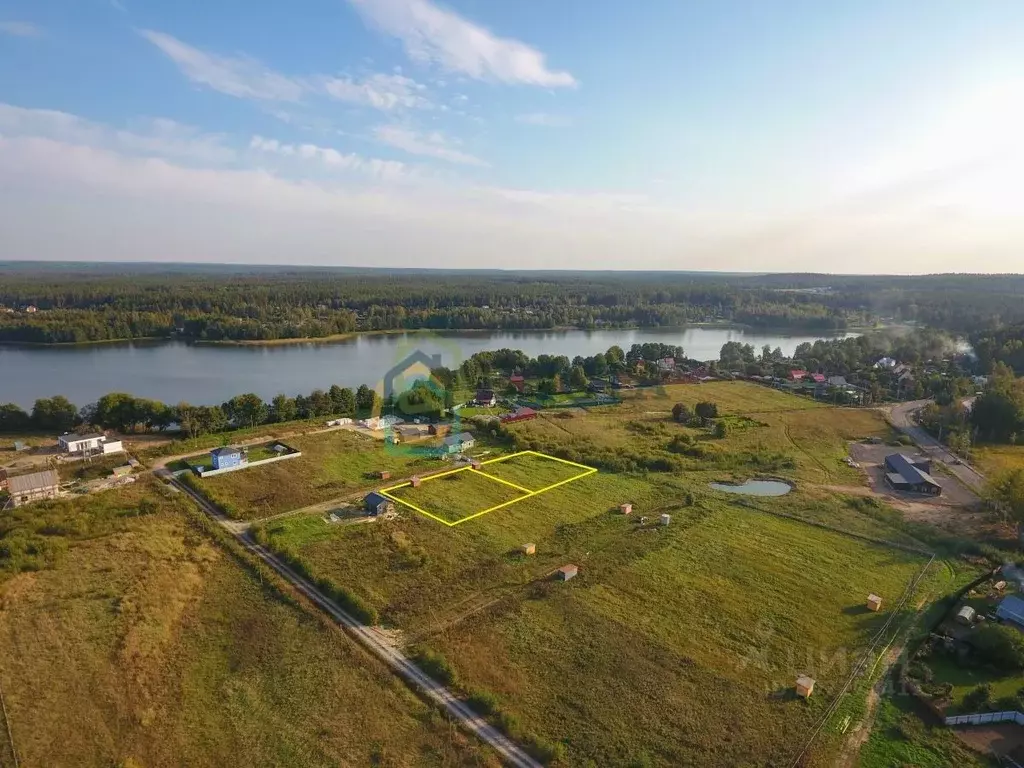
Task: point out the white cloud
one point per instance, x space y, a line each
543 119
332 158
429 145
20 29
150 136
380 91
437 36
239 76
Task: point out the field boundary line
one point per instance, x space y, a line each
413 506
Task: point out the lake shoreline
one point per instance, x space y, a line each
349 336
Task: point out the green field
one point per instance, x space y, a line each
531 471
675 645
130 639
333 464
456 495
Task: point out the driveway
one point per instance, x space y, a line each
903 417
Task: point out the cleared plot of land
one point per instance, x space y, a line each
457 495
139 640
531 471
332 464
993 459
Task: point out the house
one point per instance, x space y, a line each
81 443
25 489
567 572
837 381
797 374
375 504
887 363
517 381
458 443
1011 607
485 397
818 378
226 457
666 364
804 686
904 474
520 414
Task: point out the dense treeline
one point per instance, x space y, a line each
1003 345
99 306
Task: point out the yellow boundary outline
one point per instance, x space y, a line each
527 493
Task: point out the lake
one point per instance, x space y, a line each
210 374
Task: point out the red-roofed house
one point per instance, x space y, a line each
797 374
517 381
520 414
818 378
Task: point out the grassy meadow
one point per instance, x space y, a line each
457 495
995 459
130 639
332 464
675 645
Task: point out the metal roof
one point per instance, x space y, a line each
79 438
225 451
462 437
37 481
1011 607
904 466
375 499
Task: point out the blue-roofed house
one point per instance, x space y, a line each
905 474
377 504
226 457
1011 608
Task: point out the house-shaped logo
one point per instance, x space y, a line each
414 367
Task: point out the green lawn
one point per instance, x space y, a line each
531 471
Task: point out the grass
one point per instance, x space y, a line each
903 736
531 471
457 495
966 679
136 641
993 459
333 464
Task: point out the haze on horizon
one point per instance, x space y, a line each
877 138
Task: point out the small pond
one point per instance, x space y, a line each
755 488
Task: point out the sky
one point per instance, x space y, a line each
854 137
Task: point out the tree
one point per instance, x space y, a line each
1005 492
1000 645
707 410
343 402
721 429
248 409
54 414
367 400
282 408
578 378
681 413
13 419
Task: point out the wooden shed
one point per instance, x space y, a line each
529 549
666 519
626 509
475 464
874 603
567 572
415 481
804 686
384 475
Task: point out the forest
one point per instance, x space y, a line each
47 306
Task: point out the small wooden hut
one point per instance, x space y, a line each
874 602
804 686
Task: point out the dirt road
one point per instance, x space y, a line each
377 643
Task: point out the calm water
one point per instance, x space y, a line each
203 374
755 488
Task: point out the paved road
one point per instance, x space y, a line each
902 416
379 645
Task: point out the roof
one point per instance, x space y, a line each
516 377
904 467
226 451
37 481
77 438
462 437
805 681
1010 607
570 568
375 499
818 376
797 373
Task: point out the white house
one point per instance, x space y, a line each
97 443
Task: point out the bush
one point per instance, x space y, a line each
483 703
681 413
978 699
707 410
434 664
1000 646
721 429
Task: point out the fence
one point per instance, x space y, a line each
248 464
983 718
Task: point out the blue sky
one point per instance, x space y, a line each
850 137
